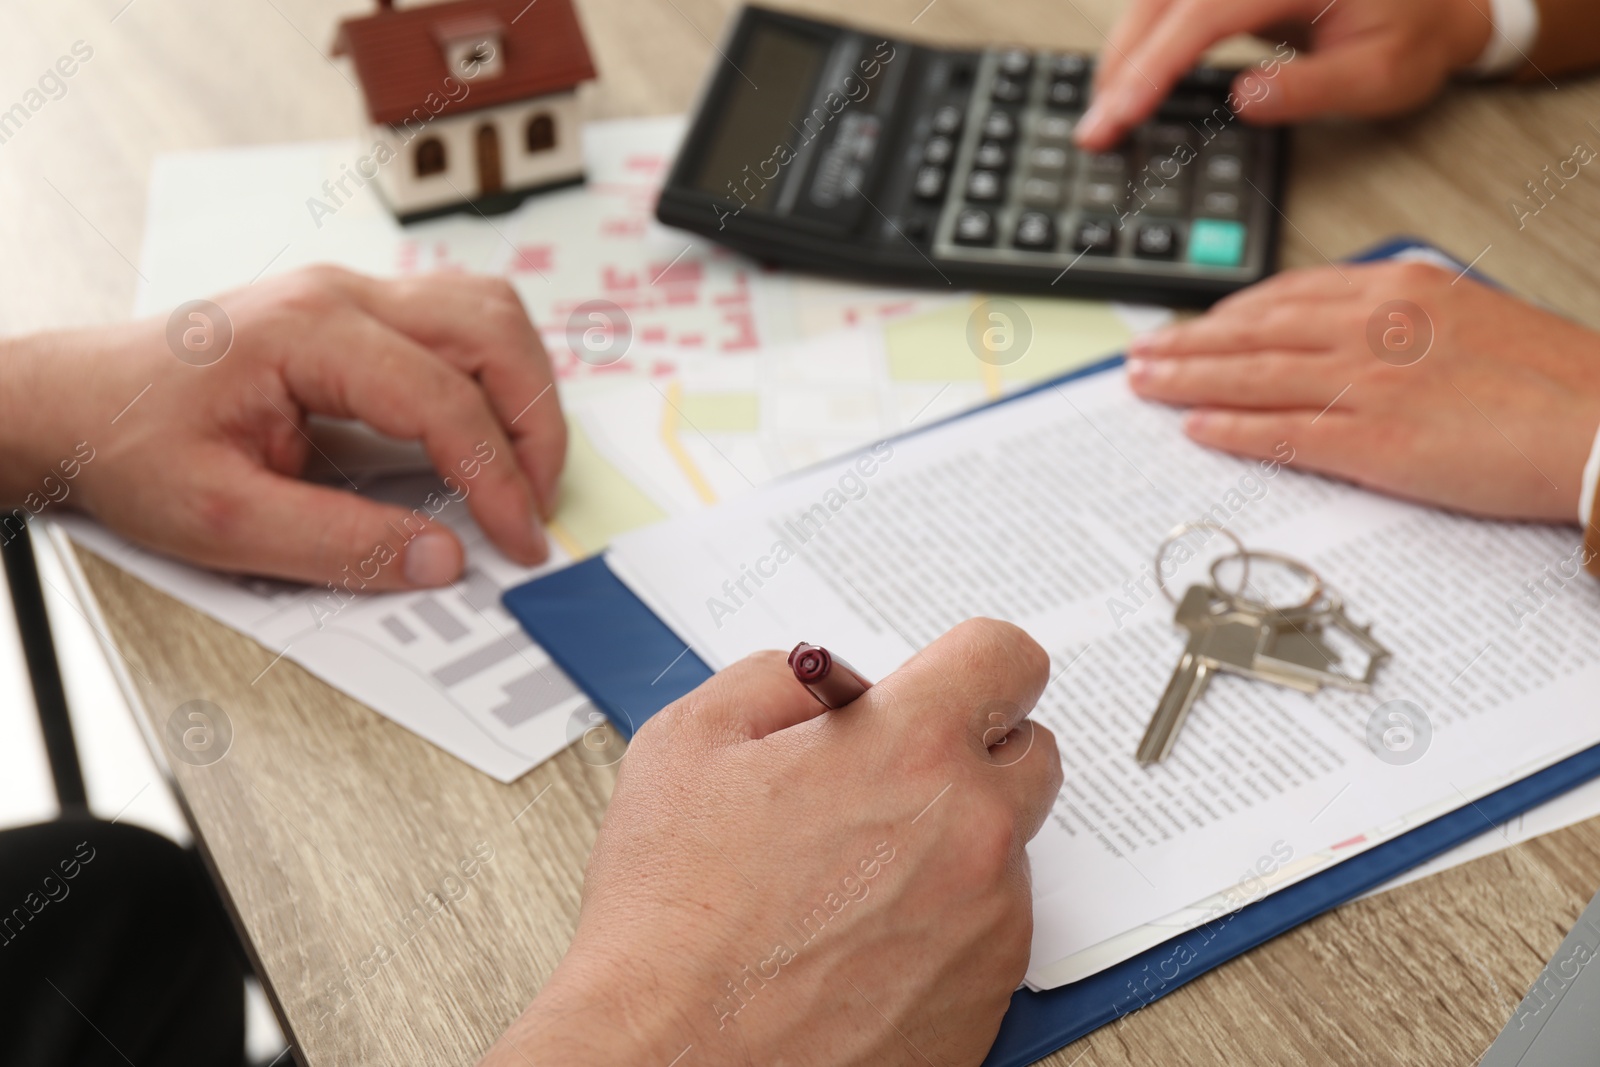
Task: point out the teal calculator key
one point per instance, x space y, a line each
1216 242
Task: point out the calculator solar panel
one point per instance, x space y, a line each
820 147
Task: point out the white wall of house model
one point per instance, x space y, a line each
525 161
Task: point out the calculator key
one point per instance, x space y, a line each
938 151
999 126
1226 140
1073 67
1212 80
992 155
1041 192
947 121
1008 90
1035 230
1095 236
1165 170
1156 240
929 184
1055 129
1165 200
1166 137
1224 169
1194 106
1108 165
1064 94
974 226
1216 242
912 229
984 186
1103 195
1015 63
1048 160
1220 204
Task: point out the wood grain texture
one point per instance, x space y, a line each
330 826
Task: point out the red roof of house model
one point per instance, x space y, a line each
399 55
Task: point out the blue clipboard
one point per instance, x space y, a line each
631 664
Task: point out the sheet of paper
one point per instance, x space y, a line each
1046 511
1574 807
449 664
229 217
716 430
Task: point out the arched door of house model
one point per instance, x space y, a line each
489 180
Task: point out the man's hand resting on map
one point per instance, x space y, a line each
776 883
190 443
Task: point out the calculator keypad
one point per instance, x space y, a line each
958 169
1176 197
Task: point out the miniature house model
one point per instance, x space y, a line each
471 101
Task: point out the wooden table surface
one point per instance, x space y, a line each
330 826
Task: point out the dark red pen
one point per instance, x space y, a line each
831 680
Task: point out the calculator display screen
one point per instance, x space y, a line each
756 118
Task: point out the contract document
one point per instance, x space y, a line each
1047 511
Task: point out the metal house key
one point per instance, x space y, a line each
1296 654
1222 637
1197 614
1188 680
1293 651
1249 637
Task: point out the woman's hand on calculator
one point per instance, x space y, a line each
1359 57
1400 377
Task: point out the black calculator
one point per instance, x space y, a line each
825 148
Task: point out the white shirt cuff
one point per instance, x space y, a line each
1515 28
1591 481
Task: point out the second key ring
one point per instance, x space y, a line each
1245 557
1183 530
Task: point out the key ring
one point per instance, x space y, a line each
1305 570
1185 528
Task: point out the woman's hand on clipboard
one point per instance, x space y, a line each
1400 377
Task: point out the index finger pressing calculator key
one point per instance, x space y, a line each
825 148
